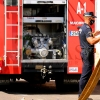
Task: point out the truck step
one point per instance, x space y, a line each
11 51
11 64
11 38
11 24
12 11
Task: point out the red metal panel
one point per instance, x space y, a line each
1 64
1 29
76 9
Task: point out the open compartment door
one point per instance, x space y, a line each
76 10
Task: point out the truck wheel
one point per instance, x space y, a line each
59 82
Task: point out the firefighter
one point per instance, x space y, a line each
87 40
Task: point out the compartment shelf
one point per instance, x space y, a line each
43 19
44 1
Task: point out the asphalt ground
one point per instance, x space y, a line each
22 90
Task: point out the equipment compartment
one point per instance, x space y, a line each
43 41
43 31
43 10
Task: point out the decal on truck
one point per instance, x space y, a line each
74 33
80 9
73 69
76 22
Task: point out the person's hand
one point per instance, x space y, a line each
96 33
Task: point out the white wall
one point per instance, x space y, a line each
97 27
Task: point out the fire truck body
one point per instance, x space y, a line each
39 39
32 45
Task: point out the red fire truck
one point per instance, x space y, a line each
39 39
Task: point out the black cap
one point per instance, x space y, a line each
91 14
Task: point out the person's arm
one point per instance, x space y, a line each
93 40
89 37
